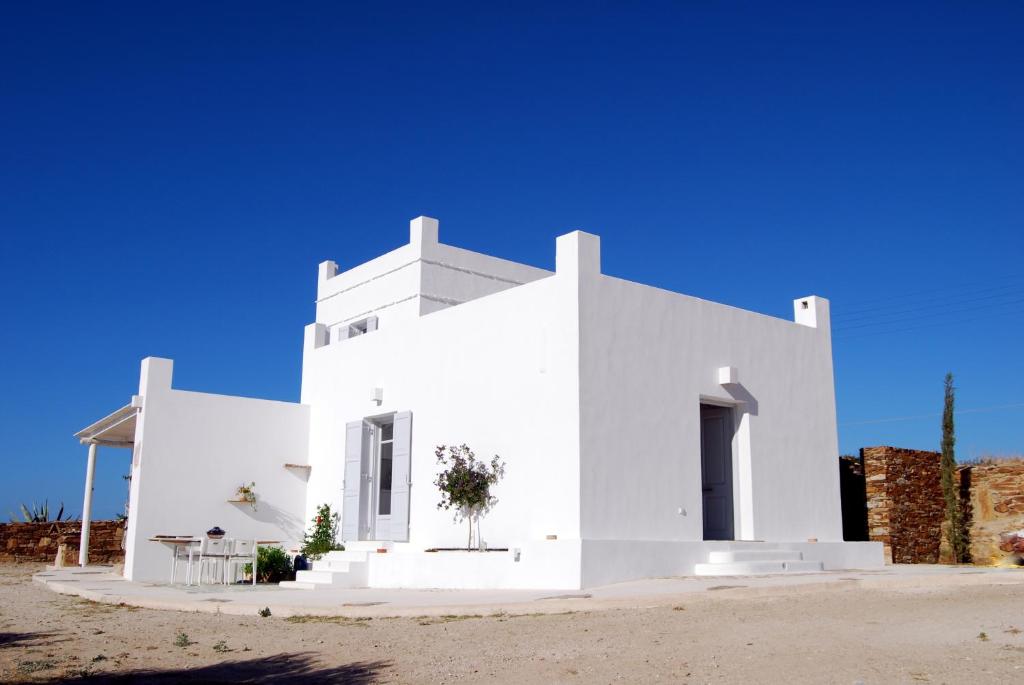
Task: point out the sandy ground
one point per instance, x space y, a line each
834 635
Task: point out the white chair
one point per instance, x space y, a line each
242 552
212 553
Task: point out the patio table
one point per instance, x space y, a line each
174 542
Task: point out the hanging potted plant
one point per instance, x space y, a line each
247 493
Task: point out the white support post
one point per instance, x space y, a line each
90 471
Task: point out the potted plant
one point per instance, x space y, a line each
465 485
247 493
322 536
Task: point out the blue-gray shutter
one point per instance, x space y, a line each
353 481
400 475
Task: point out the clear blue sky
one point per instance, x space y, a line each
171 175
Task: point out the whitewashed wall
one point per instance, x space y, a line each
192 450
647 359
499 373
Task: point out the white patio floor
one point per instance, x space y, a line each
98 583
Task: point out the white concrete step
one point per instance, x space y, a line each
367 546
354 576
335 565
335 574
346 556
727 556
757 568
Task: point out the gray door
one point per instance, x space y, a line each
716 471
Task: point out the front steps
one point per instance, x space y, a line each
346 569
762 560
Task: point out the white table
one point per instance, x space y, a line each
175 542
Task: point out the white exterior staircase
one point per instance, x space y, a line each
755 562
339 569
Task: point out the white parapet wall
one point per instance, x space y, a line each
192 450
543 565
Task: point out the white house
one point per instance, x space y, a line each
645 433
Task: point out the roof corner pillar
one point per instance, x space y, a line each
578 254
90 473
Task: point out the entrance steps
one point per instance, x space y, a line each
747 561
346 569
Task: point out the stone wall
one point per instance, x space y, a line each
39 541
996 511
905 506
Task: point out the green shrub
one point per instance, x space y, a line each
323 535
272 565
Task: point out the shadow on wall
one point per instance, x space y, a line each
742 395
279 668
853 498
267 513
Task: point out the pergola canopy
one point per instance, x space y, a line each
114 430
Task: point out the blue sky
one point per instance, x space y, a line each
171 175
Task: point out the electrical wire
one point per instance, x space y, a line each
893 419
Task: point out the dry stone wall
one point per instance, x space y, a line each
39 541
905 506
996 511
906 509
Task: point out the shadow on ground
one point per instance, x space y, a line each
279 668
28 640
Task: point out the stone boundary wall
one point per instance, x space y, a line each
39 541
905 506
995 510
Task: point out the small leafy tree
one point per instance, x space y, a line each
465 484
950 487
323 534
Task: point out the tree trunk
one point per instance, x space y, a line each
469 540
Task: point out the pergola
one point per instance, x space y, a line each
114 430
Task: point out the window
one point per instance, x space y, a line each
344 331
385 467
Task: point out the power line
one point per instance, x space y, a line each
1009 291
893 419
884 332
988 283
929 315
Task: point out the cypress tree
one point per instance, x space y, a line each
950 487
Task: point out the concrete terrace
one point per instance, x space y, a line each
101 584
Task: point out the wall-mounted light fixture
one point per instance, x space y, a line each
377 395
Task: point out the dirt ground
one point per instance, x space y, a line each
855 635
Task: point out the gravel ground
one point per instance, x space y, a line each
852 635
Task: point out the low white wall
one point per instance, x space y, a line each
616 561
550 564
842 556
192 450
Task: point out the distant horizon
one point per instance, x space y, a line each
173 177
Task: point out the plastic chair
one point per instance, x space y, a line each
212 552
242 552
